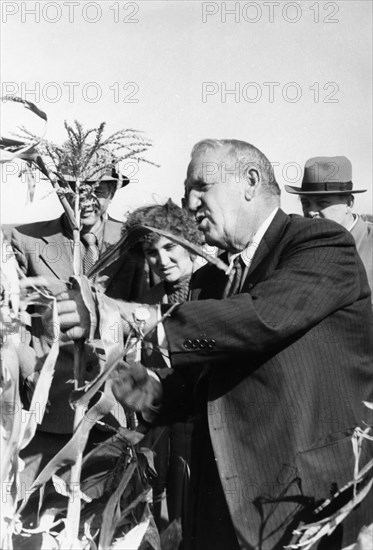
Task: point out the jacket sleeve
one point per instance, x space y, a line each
317 273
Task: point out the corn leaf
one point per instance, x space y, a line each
132 539
27 104
111 515
39 401
67 455
359 487
113 347
192 248
132 236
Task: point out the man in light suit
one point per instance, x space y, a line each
327 192
46 249
272 360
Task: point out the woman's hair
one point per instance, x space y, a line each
168 217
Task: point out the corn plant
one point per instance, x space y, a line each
360 485
83 156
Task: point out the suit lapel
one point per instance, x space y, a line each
112 234
270 239
57 255
209 282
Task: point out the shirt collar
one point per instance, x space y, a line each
356 217
247 254
99 231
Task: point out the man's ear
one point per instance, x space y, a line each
350 201
252 179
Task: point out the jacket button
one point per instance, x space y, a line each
187 344
195 343
211 344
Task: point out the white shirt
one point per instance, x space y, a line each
248 253
247 256
356 217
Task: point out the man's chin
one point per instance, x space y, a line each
89 221
209 239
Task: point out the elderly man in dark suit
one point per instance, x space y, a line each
273 360
46 249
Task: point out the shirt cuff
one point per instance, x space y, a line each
161 333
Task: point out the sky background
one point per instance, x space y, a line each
147 64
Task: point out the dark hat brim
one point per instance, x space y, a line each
299 191
122 181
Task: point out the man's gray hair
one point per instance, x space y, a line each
245 154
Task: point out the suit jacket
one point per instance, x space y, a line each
362 232
286 365
43 249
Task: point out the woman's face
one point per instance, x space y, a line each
169 260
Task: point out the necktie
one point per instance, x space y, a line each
234 279
91 253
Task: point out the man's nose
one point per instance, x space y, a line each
193 200
87 201
313 214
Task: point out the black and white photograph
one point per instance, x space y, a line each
186 275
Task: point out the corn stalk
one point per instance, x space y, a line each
74 506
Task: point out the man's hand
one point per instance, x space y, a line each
73 315
138 388
142 316
75 319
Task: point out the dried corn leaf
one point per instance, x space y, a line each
40 396
192 248
111 515
131 237
11 148
132 539
62 488
311 533
113 348
67 455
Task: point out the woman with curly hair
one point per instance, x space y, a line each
174 265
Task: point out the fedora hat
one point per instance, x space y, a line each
326 175
106 175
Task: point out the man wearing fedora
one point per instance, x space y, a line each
327 192
46 249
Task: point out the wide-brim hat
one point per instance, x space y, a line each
108 175
326 175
